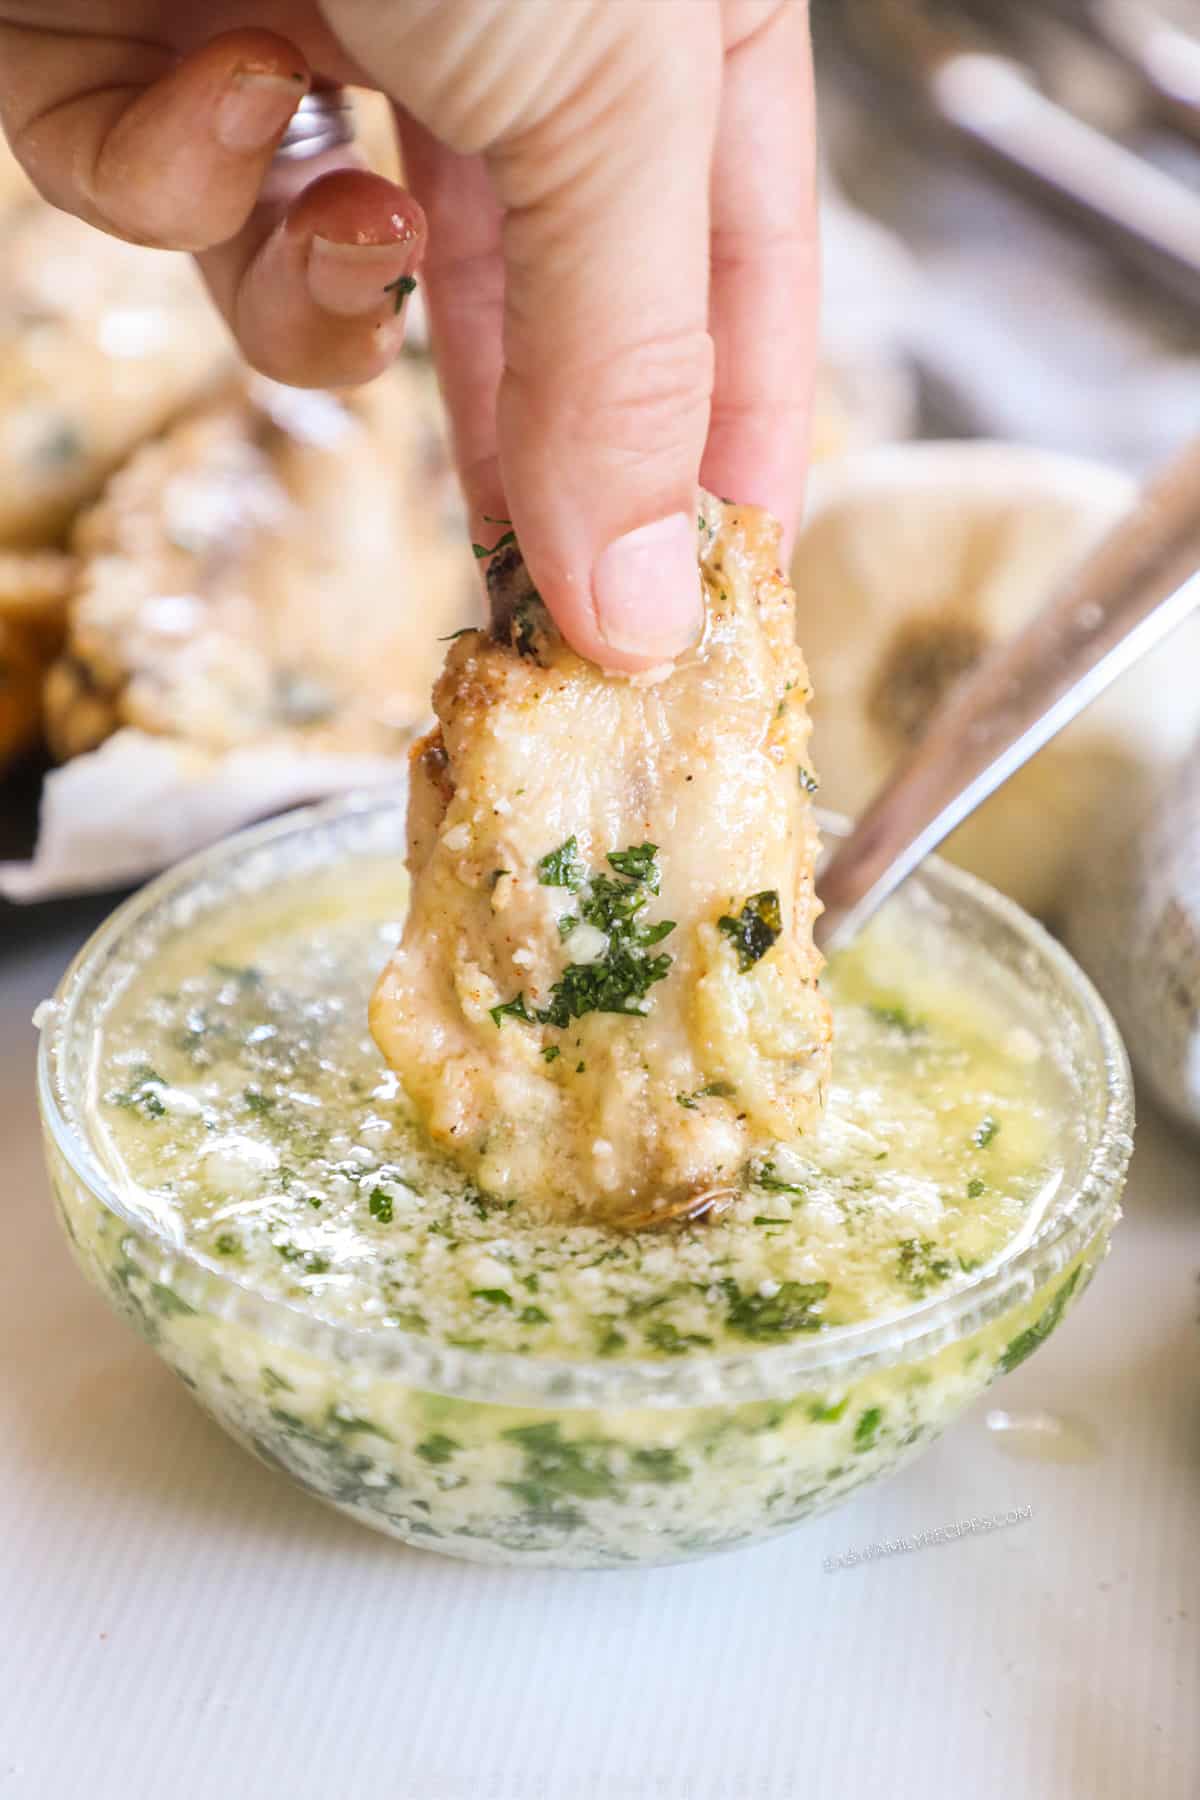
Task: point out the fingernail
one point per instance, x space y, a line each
353 279
255 107
646 586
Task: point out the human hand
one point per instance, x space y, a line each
621 273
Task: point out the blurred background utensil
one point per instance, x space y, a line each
1139 583
993 102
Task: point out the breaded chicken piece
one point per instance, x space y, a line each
102 343
33 594
276 569
605 1000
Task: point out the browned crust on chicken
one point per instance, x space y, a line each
645 1108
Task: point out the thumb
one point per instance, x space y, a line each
603 408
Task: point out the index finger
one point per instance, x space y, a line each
765 287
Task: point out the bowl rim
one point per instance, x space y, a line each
988 472
1078 1213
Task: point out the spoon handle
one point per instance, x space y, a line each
1141 581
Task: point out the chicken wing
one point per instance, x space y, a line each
605 999
275 569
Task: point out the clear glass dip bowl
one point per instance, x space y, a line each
508 1458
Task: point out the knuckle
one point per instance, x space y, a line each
639 400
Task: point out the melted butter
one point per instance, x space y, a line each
1042 1436
239 1094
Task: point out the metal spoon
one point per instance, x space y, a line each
1139 584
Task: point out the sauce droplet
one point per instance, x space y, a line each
1042 1436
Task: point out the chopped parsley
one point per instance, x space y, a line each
380 1206
493 1296
438 1448
502 542
142 1094
661 1335
867 1427
1027 1341
808 780
613 904
551 1053
402 287
617 984
985 1131
766 1178
762 1317
638 863
920 1266
717 1089
562 867
975 1187
512 1009
897 1018
754 929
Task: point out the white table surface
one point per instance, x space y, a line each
177 1622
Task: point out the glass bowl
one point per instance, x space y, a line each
509 1458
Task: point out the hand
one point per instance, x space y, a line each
621 273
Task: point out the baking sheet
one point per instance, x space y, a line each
176 1620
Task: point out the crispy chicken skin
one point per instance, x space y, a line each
33 590
625 868
275 569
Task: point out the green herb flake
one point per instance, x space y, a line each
562 867
502 542
556 1465
141 1094
718 1090
975 1187
867 1427
897 1018
659 1464
985 1131
808 780
551 1053
512 1009
438 1448
821 1414
754 929
463 631
228 1244
620 981
661 1335
920 1266
1027 1341
638 863
493 1296
402 287
763 1318
766 1179
380 1206
533 1315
